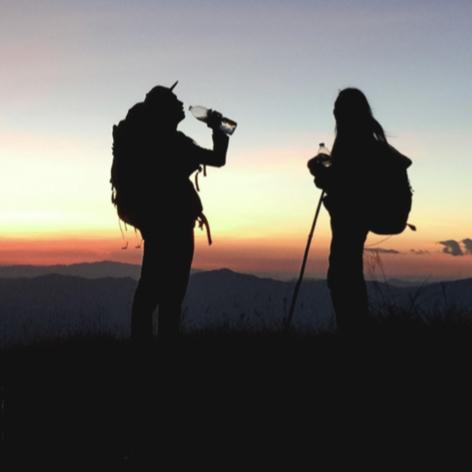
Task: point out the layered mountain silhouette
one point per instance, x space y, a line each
56 306
88 270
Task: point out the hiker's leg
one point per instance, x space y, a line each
178 262
346 275
146 296
169 319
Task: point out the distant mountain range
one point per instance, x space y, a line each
92 270
87 270
56 305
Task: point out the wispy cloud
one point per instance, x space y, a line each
467 243
452 247
419 252
381 250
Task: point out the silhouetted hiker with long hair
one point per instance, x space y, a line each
356 163
158 197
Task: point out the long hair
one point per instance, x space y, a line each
354 119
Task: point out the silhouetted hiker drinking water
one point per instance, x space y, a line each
150 175
367 189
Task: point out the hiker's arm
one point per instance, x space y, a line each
220 148
217 156
212 157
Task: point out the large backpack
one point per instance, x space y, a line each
130 188
125 180
390 196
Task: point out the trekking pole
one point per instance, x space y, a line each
302 270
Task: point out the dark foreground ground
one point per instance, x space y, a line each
220 400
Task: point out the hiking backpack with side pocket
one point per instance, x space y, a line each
390 195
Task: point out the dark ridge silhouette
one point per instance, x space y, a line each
367 189
152 191
47 308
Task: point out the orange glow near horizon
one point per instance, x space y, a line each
260 207
274 258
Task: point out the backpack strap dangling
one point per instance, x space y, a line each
203 222
196 179
199 171
139 239
123 237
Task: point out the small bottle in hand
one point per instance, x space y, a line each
319 166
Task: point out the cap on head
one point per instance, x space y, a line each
160 93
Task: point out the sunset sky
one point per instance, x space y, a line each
70 70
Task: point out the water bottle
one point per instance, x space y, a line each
324 155
203 114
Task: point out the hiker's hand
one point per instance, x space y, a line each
319 171
214 120
315 166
